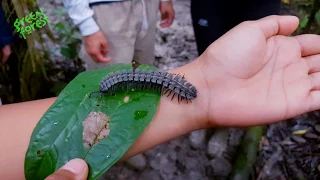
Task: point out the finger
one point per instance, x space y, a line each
314 100
310 44
94 57
104 48
102 58
313 63
171 18
315 81
277 25
164 20
164 24
76 169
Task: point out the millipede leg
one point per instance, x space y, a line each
166 91
149 86
173 96
169 92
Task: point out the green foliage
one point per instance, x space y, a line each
317 16
57 137
247 154
25 73
29 74
69 36
309 12
69 40
304 22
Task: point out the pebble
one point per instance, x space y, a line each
311 136
194 175
317 128
147 174
197 138
298 139
138 162
221 166
218 143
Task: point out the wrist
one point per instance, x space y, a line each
196 113
173 119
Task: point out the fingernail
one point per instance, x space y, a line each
76 166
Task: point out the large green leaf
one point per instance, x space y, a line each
57 138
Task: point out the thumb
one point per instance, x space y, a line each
76 169
277 25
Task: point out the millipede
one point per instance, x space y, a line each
151 80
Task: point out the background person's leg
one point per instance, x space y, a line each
256 9
209 22
118 22
145 43
245 10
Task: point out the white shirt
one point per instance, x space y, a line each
82 15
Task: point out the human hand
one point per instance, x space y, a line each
97 47
6 51
256 74
167 13
76 169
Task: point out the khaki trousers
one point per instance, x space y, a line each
121 22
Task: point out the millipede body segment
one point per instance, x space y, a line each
163 82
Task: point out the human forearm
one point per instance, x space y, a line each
16 125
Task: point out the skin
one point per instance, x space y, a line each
97 45
6 51
167 14
255 74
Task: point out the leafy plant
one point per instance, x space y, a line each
69 40
309 16
247 154
59 136
69 37
28 78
